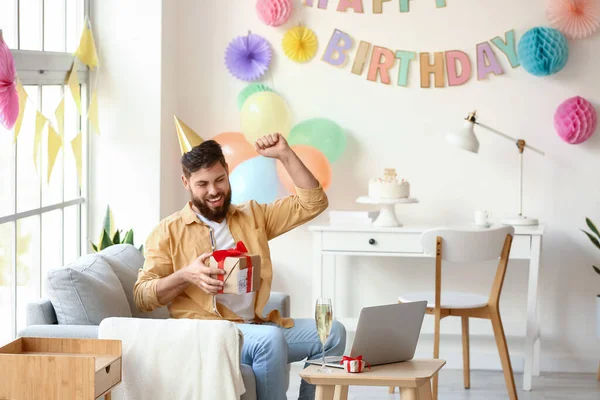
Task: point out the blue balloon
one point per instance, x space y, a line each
255 179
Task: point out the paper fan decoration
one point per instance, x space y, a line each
9 98
300 44
577 19
543 51
274 12
248 57
249 91
575 120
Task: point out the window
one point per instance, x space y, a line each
42 224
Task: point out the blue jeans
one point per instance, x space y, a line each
268 348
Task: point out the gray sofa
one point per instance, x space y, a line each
98 286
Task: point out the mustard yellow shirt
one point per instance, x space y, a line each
182 237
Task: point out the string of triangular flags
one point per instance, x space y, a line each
85 53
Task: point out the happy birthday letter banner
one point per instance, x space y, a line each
453 67
444 68
357 5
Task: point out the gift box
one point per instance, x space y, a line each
354 364
242 270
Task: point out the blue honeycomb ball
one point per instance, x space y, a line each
543 51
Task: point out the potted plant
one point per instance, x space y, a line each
111 236
594 237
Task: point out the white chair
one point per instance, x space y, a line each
468 246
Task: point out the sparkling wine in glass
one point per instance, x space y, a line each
323 319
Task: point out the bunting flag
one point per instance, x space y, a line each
60 117
55 142
93 113
86 52
22 101
74 86
76 146
40 123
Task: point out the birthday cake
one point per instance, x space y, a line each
389 187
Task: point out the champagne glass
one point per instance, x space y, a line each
323 319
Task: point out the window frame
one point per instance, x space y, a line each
41 68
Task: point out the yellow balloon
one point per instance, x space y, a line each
265 113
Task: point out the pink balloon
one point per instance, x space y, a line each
274 12
575 120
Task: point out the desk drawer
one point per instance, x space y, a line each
107 377
372 242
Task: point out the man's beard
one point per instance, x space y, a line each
211 214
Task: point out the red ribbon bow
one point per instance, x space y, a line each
357 358
239 250
220 255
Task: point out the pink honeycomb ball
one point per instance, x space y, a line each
575 120
274 12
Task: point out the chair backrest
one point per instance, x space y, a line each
467 245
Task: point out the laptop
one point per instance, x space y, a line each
384 334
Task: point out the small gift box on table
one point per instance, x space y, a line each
354 364
242 270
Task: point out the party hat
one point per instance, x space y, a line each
188 139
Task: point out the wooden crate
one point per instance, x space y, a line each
57 369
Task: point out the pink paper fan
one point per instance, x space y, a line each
9 98
577 19
274 12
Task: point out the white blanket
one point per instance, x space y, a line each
176 358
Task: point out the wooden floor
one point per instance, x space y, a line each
485 385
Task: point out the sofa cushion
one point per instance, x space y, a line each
86 291
125 261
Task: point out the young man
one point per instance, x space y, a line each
175 271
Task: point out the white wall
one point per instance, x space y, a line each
172 194
134 165
388 126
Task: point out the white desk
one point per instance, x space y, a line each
405 242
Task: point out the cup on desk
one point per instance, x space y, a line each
482 218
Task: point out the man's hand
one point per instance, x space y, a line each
272 146
275 146
198 274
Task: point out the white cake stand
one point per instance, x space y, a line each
387 214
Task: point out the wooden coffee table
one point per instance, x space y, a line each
413 377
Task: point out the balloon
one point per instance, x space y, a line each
265 113
235 148
322 134
315 161
249 91
255 179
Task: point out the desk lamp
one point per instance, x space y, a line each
465 139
